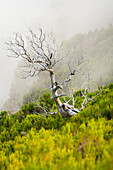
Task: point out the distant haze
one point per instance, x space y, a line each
64 17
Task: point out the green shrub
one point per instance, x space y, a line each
31 141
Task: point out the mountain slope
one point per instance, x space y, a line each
30 141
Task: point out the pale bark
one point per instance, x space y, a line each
42 56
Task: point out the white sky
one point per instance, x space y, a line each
65 17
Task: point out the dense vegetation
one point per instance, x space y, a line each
31 141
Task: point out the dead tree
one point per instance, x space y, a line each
40 53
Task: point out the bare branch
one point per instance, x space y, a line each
33 50
86 100
76 70
60 95
93 97
55 88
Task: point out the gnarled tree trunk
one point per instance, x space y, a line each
65 109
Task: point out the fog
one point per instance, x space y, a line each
64 17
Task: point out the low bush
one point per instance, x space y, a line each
30 141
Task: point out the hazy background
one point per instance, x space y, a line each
64 17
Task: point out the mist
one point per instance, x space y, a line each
64 17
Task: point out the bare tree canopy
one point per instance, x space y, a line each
40 53
38 50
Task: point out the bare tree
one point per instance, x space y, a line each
40 53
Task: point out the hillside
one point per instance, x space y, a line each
97 69
30 141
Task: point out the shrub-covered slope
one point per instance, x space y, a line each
30 141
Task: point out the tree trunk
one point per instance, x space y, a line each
65 109
54 93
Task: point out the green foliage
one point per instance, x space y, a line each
30 141
70 148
